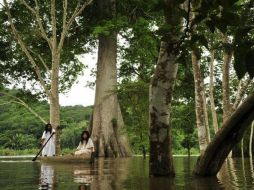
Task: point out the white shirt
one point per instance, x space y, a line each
88 145
49 149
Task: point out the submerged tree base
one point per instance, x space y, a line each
210 162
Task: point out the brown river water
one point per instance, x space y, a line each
119 174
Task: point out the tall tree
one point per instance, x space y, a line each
200 99
54 32
211 92
229 135
227 57
107 123
161 91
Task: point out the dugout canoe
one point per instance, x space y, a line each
66 159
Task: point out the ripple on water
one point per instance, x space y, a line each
118 174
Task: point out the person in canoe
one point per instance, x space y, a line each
49 149
86 145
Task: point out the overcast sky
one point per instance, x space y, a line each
80 94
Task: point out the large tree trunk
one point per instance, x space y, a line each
203 129
211 89
210 162
107 119
160 96
54 100
161 90
227 56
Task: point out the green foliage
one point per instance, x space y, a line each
140 24
231 17
70 136
217 14
188 142
133 98
184 125
15 65
33 151
134 101
140 51
20 129
12 152
244 48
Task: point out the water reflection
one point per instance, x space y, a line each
226 174
84 177
251 168
123 174
208 183
111 174
46 177
163 183
132 173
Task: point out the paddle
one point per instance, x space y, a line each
43 147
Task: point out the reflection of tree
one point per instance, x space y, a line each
227 175
251 166
111 173
161 183
243 168
47 177
132 173
84 177
209 183
105 174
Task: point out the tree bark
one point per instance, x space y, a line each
227 56
160 96
211 97
251 140
107 119
161 160
242 151
200 99
203 130
242 86
54 99
210 162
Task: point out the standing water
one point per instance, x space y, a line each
118 174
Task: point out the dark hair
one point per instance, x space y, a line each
47 128
82 138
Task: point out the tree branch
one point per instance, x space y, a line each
28 7
64 29
240 92
25 50
36 13
79 8
21 102
41 59
41 28
187 26
53 23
